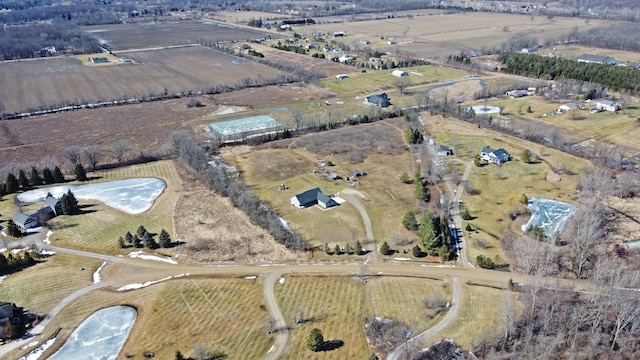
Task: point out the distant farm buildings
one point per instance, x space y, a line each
399 73
597 59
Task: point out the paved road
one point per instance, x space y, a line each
451 315
280 327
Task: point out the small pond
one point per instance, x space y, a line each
133 196
100 337
552 216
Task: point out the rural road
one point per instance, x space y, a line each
280 328
456 300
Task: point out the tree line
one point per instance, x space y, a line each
11 263
614 77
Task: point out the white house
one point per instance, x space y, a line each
567 107
345 59
499 156
399 73
607 105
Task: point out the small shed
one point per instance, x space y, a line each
399 73
342 76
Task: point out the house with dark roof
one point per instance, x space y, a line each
633 64
54 204
52 208
597 59
26 221
381 100
312 197
10 313
498 156
444 150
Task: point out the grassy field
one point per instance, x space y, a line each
54 81
340 306
442 35
387 198
167 33
41 287
483 310
98 229
170 317
500 186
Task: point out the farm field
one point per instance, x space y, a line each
441 35
167 33
573 51
234 309
492 205
100 226
60 81
384 195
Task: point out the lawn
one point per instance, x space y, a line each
100 226
171 316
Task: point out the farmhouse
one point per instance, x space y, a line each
52 208
607 105
597 59
499 156
312 197
381 100
399 73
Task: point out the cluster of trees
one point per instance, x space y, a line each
11 263
144 239
69 204
348 249
614 77
434 233
413 136
422 188
218 179
384 335
23 182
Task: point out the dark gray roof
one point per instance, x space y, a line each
444 148
501 154
308 197
381 100
596 58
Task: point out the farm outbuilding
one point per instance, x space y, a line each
399 73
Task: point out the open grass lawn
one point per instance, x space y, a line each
402 299
99 228
227 314
483 310
500 186
339 305
41 287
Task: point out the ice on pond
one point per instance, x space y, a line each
100 337
550 215
133 196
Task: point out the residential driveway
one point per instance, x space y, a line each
456 298
353 196
281 331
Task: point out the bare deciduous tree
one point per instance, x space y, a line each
120 149
73 154
93 154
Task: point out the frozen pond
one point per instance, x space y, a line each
484 110
133 196
244 125
100 337
552 216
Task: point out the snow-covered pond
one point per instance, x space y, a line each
100 337
133 196
550 215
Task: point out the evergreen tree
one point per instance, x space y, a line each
141 230
426 231
404 177
128 237
148 241
179 355
316 340
164 239
527 156
409 221
358 248
337 250
58 177
23 180
3 189
122 243
35 177
81 173
385 249
12 183
69 204
137 243
13 229
417 252
4 264
47 176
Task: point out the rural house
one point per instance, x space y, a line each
607 105
341 76
11 313
499 156
381 100
529 50
568 106
312 197
52 208
399 73
444 150
597 59
54 204
25 221
517 93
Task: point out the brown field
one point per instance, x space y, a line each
245 16
145 35
442 35
324 66
56 81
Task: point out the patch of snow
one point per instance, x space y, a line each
550 215
133 196
139 285
285 223
15 251
270 349
2 277
37 352
46 240
3 233
250 277
180 275
281 281
3 249
142 255
31 344
46 252
402 259
96 275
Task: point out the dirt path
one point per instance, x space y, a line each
280 331
352 196
452 313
